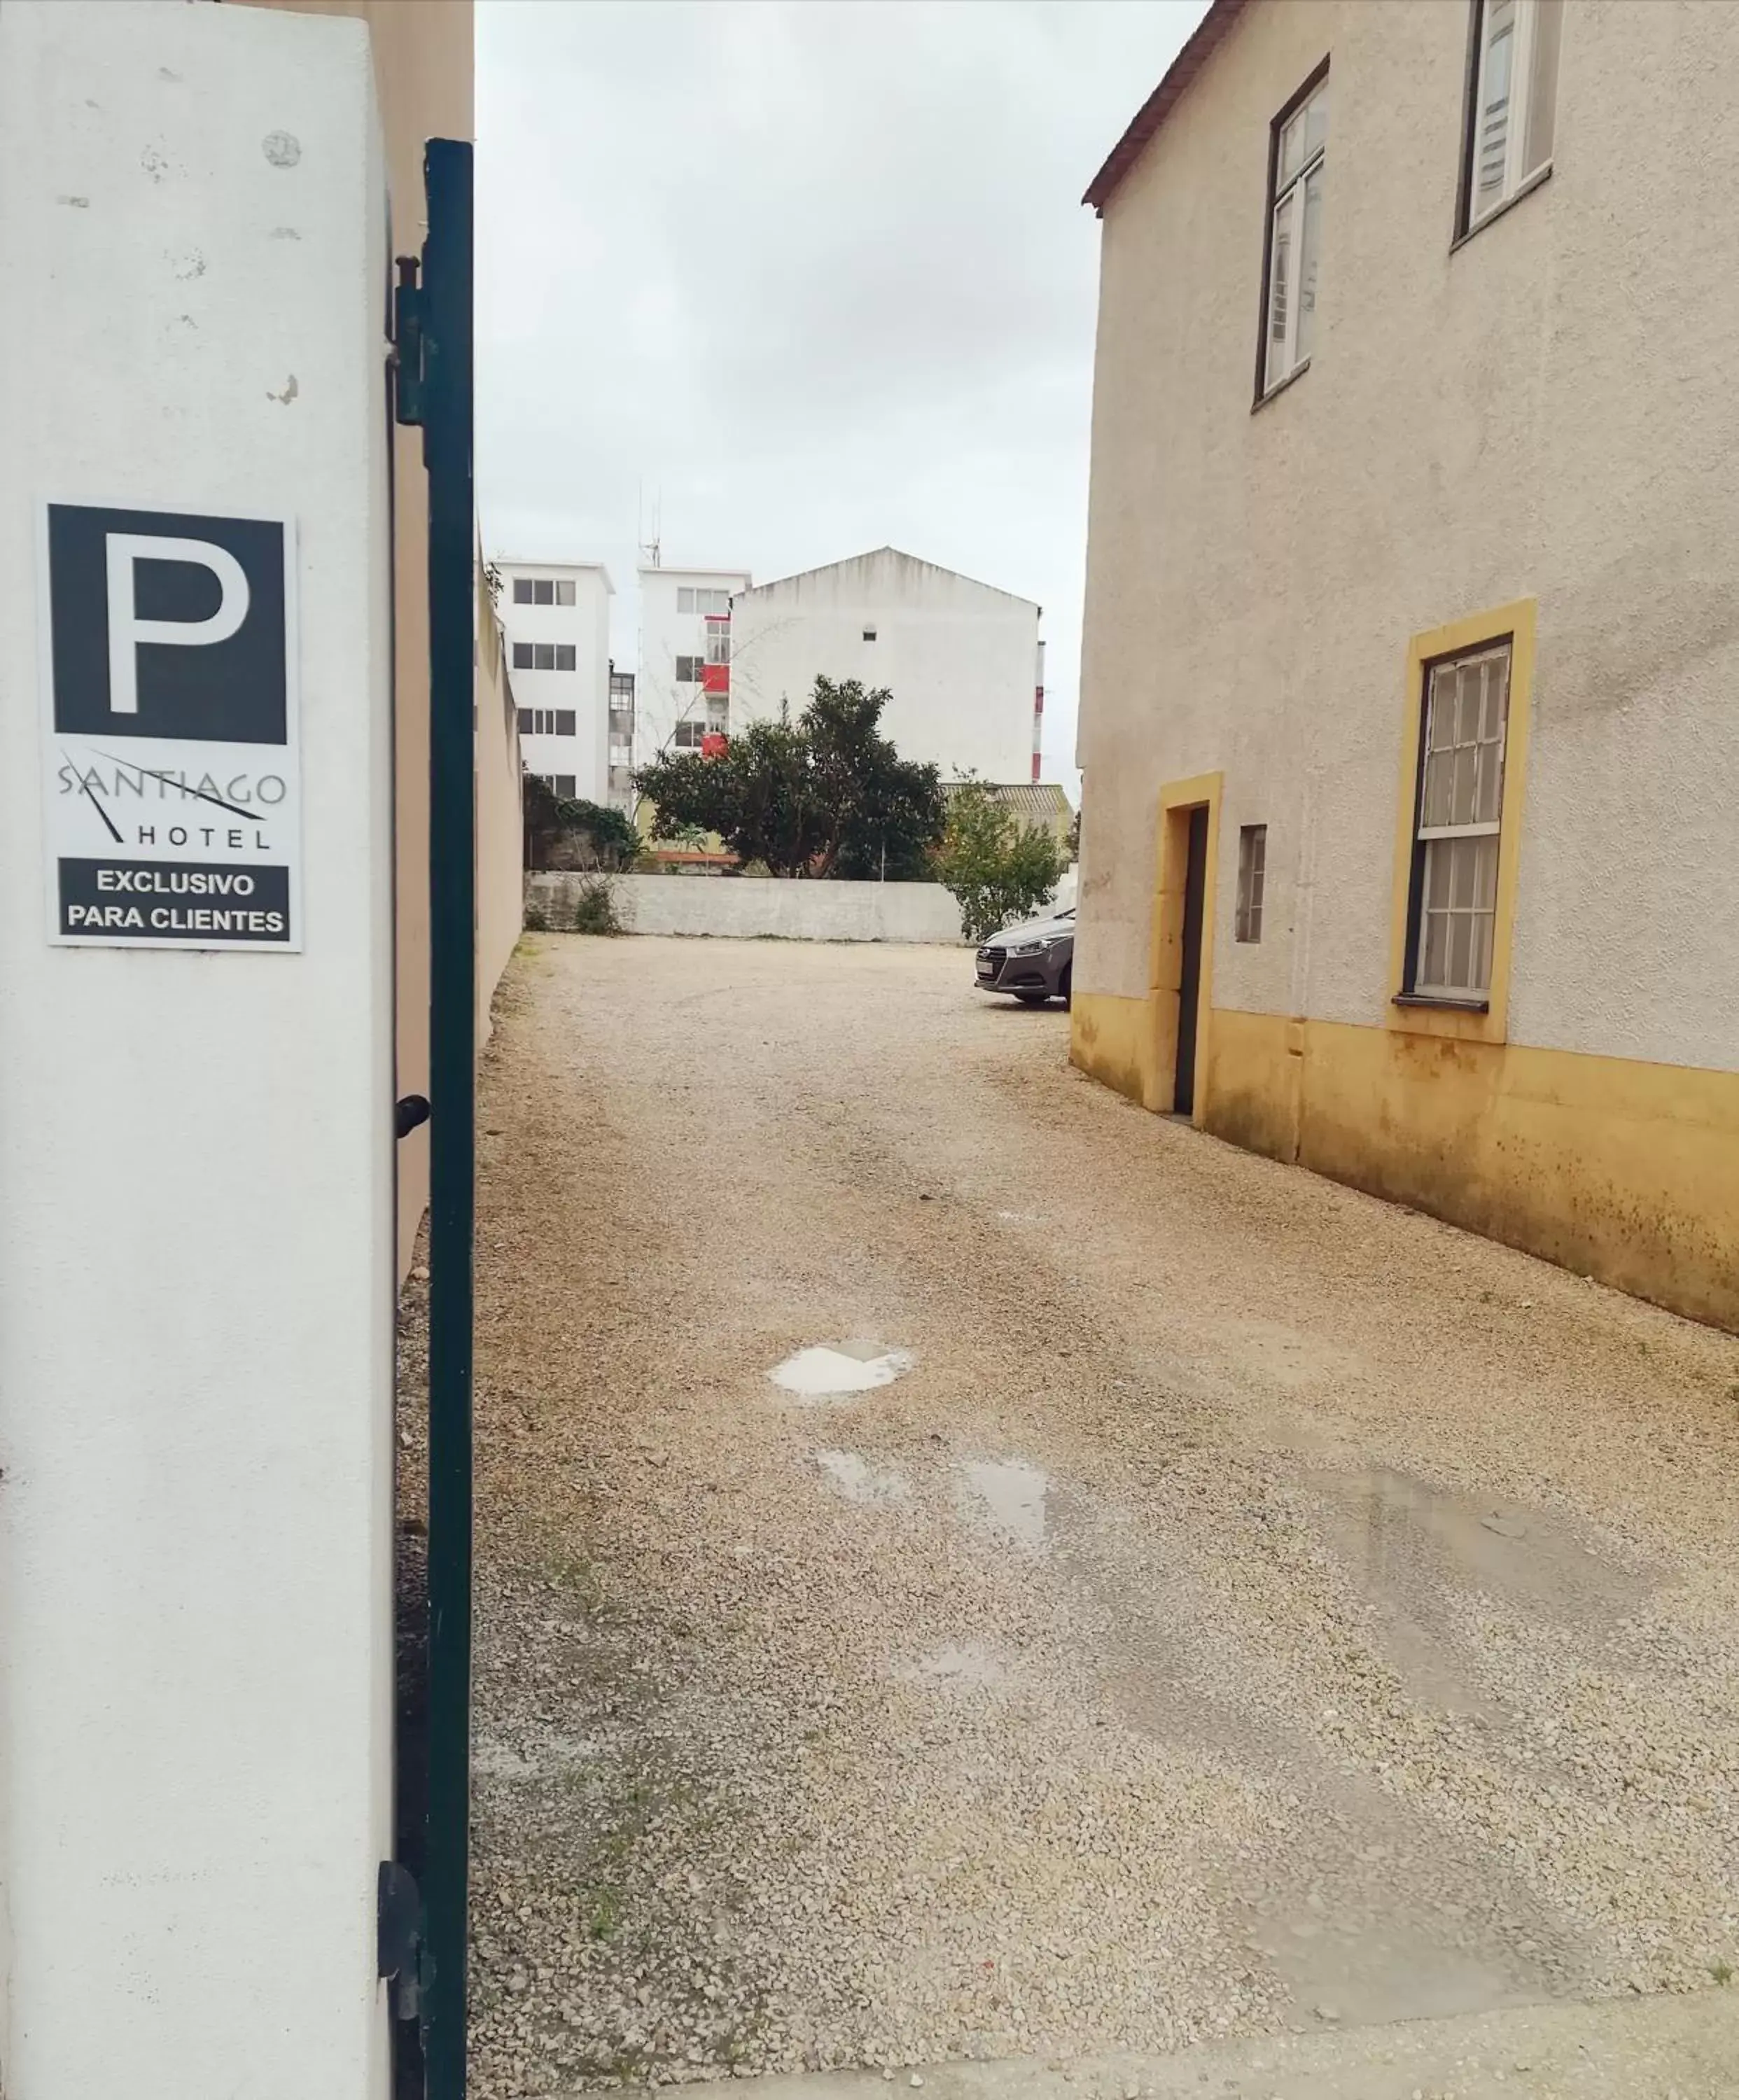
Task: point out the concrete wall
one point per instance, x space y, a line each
748 907
501 814
423 73
1506 420
961 658
196 1199
585 625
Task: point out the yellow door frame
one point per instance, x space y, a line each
1177 798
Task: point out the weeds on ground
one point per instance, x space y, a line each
595 907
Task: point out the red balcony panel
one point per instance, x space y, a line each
715 677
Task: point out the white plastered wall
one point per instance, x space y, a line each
959 658
1546 411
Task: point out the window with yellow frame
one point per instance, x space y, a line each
1464 750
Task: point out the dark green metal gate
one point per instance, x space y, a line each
433 330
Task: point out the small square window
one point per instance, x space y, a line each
543 591
564 591
1252 863
522 590
522 655
869 634
688 670
685 598
564 721
525 721
564 656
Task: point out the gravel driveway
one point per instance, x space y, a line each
1229 1604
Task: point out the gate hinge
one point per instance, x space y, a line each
408 310
401 1945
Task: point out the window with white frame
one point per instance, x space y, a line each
544 656
547 721
689 735
716 602
1458 818
688 670
718 641
1252 865
543 590
1513 92
1295 233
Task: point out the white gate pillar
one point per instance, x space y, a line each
196 1055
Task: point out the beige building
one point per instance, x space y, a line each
424 71
1411 643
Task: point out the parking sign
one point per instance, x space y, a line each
172 775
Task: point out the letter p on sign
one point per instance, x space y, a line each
126 630
168 624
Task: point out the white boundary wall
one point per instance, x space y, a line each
195 1148
748 907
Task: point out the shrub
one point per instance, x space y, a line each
595 907
567 832
998 870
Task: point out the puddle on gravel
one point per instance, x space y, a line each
967 1663
1005 1496
1418 1548
1413 1536
858 1481
826 1373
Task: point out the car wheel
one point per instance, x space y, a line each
1066 985
1032 997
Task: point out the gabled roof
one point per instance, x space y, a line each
1209 34
897 554
1033 801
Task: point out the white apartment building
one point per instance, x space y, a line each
684 689
962 660
557 618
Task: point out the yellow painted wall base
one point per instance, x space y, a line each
1619 1170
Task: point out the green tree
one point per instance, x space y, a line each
827 795
998 869
568 831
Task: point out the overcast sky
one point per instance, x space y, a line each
797 279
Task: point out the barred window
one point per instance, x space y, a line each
1252 861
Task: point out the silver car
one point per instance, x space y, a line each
1032 963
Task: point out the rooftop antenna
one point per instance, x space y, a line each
652 548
